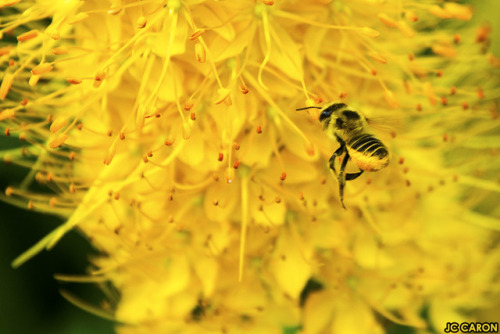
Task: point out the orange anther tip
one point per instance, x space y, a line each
169 142
215 203
27 35
197 34
278 199
24 102
419 107
236 164
122 135
259 129
456 38
221 157
244 89
71 156
236 146
342 95
192 116
7 131
374 72
74 81
445 137
188 105
283 176
401 160
150 153
30 205
453 90
393 134
408 183
480 93
406 169
53 201
79 126
268 2
465 105
9 191
444 101
12 62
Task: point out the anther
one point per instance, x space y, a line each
439 12
122 135
22 136
453 90
27 35
411 16
109 133
439 73
9 191
378 57
42 68
405 170
7 131
50 176
322 180
411 56
141 22
72 188
259 129
342 95
150 153
236 146
215 177
53 201
170 197
268 2
6 85
456 38
188 105
278 199
30 205
192 116
385 19
405 29
444 101
169 141
445 137
368 180
215 203
60 139
197 34
301 195
401 160
145 158
58 124
480 93
374 72
465 105
71 156
74 81
236 164
221 157
244 89
200 53
283 176
33 80
12 62
419 107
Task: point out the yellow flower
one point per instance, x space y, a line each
166 132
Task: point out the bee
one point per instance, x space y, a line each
351 130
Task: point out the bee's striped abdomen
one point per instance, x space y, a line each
368 152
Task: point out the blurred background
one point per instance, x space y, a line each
30 301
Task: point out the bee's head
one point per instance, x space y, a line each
341 116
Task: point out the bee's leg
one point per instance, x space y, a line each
352 176
342 179
337 153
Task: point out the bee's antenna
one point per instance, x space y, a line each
308 108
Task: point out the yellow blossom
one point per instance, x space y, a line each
167 133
